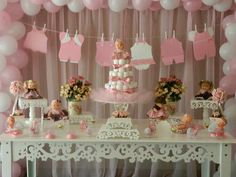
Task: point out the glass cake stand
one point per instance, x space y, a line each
119 127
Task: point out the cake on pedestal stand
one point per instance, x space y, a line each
206 105
119 127
32 104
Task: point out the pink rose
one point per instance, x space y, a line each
72 81
218 95
81 78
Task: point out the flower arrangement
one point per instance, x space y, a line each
168 90
77 89
17 89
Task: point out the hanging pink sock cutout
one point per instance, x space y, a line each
203 43
172 50
104 51
36 40
141 53
70 49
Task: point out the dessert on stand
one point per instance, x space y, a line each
121 90
203 100
32 99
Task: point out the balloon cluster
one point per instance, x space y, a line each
32 7
12 57
228 53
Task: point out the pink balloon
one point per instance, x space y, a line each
228 84
192 6
15 11
5 21
19 59
1 86
9 74
155 6
235 15
93 4
50 7
38 1
227 20
141 5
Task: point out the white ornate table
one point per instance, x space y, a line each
167 147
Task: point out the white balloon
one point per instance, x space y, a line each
230 112
17 30
5 101
3 62
169 4
230 33
210 2
3 4
76 6
8 45
226 68
117 6
227 51
60 2
223 6
29 8
230 102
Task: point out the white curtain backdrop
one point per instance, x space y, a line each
51 73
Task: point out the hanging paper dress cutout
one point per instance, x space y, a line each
203 43
104 52
36 40
172 51
70 48
141 53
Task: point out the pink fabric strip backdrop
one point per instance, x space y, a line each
51 73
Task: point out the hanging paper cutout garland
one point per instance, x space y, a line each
70 48
203 43
141 53
36 40
104 52
172 50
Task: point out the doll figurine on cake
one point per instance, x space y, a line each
56 112
205 90
182 125
31 90
11 129
121 77
217 119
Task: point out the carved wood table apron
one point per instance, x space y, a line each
168 147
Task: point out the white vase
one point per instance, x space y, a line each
74 108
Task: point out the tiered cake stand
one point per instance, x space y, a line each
205 105
32 104
119 127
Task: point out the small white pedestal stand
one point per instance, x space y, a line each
32 104
206 105
119 127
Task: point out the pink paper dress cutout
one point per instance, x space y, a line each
172 50
36 40
70 48
203 44
141 53
104 52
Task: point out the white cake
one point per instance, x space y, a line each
121 77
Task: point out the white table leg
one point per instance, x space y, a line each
206 120
225 160
205 168
31 168
6 159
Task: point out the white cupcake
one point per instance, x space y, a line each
120 74
122 62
